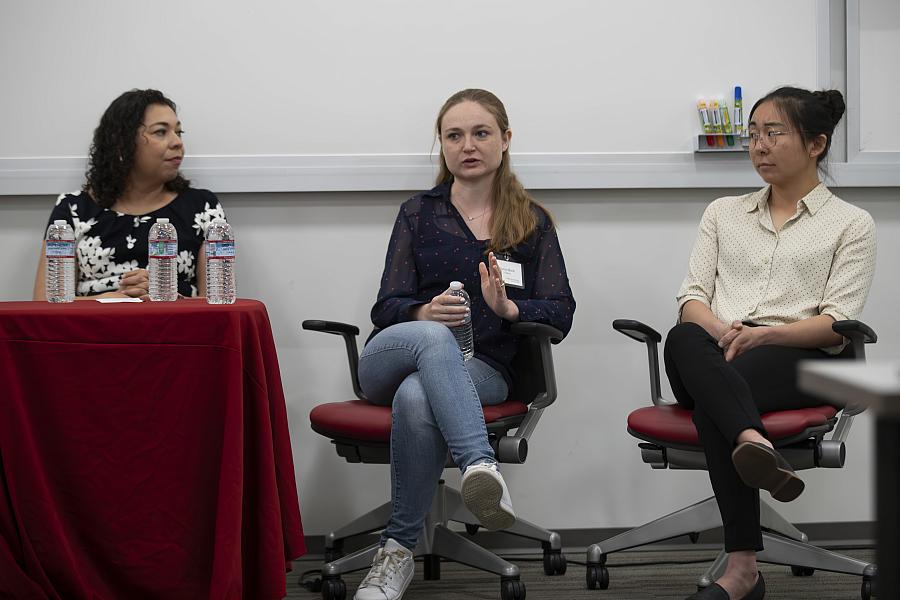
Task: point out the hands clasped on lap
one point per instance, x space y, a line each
739 338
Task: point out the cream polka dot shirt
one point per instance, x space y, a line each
821 262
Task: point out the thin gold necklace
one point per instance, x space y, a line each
468 218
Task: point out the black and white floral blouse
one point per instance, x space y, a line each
109 243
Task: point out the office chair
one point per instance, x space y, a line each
669 440
361 433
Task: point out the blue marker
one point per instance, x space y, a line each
738 112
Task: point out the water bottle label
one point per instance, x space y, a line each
60 249
223 249
163 249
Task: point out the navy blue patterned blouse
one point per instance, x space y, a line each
432 246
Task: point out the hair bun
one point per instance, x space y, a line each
834 102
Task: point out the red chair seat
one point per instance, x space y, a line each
673 423
361 420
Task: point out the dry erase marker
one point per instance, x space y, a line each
717 122
704 122
726 121
738 111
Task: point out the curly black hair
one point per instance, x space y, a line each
112 150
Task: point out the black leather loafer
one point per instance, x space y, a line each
717 592
762 467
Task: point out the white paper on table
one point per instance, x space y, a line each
117 300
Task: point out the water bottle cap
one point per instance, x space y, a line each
60 222
455 286
162 220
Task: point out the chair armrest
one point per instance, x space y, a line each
538 330
859 335
544 335
334 327
649 336
349 333
637 330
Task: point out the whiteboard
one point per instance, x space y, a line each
342 94
879 75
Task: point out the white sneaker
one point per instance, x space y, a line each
390 575
485 495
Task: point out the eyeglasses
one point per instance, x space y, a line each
771 137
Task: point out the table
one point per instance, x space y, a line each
144 453
876 384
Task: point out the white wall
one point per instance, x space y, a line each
626 252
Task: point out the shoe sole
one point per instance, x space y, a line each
482 494
758 468
400 593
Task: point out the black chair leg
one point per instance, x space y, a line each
432 563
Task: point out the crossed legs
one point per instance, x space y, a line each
727 399
436 400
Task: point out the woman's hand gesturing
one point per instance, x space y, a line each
494 292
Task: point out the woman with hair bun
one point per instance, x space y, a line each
769 274
133 178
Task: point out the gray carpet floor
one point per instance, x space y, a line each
633 575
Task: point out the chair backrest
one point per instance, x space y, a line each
528 373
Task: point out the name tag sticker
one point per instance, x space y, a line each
511 273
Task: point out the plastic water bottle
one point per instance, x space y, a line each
59 249
163 251
463 333
220 287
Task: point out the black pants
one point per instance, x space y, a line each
727 398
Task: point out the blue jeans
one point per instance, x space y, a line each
435 398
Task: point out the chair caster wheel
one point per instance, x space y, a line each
597 576
512 589
472 528
334 589
554 562
802 571
314 585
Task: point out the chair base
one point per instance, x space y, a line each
438 541
784 544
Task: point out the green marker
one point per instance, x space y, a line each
726 121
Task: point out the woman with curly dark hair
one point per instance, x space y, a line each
133 179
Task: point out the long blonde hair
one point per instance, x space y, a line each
512 219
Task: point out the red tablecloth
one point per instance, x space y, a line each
144 453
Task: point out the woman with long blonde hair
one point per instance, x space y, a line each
477 226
